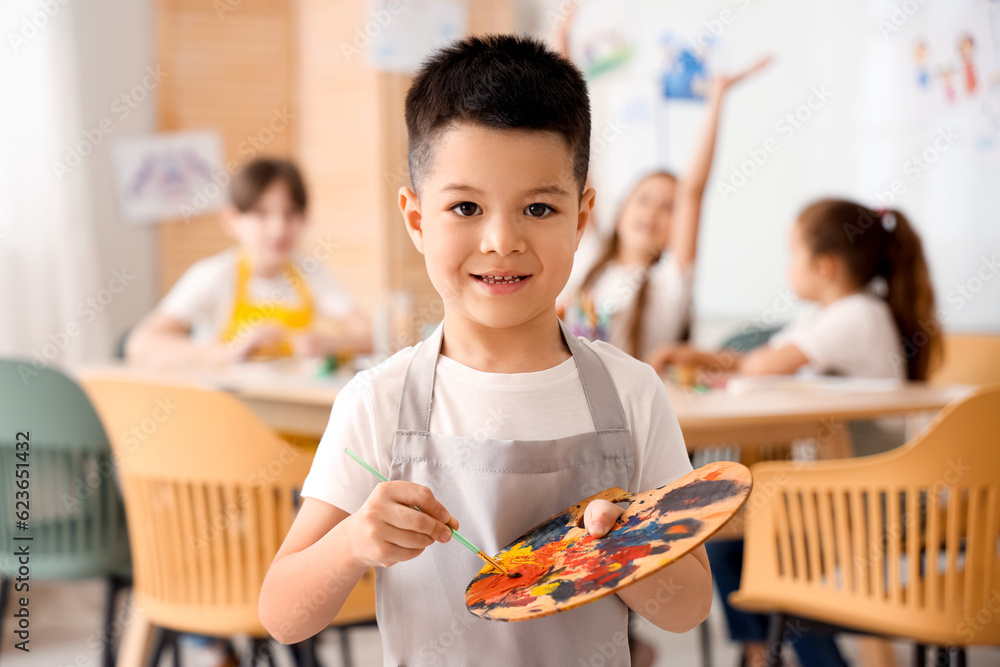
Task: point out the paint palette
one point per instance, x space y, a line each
561 566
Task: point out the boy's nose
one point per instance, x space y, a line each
502 235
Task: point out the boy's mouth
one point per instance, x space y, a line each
492 279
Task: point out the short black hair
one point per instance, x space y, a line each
502 82
256 176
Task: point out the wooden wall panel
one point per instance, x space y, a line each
229 71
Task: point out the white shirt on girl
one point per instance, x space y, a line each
203 297
668 300
854 336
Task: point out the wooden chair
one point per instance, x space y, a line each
210 492
969 359
900 544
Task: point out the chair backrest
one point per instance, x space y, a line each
903 543
210 492
969 359
75 514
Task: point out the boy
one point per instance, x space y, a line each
499 417
254 301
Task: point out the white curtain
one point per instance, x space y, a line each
47 240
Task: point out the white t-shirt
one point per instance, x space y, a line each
543 405
854 336
203 297
668 301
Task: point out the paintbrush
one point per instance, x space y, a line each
466 543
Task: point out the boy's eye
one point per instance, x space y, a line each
466 208
538 210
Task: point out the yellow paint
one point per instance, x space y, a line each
544 589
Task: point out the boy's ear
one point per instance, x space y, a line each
586 213
409 206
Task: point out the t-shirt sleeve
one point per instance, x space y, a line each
827 338
334 477
663 456
331 299
195 296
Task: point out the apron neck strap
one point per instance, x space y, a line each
598 386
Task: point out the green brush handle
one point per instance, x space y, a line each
466 543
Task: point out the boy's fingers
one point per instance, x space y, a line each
408 518
600 517
407 539
408 493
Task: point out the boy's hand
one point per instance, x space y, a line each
388 530
310 345
259 337
600 517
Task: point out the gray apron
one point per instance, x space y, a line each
499 489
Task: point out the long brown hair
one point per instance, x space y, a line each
882 244
633 338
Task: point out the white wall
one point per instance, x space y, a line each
115 44
855 144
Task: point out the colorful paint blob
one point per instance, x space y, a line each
562 566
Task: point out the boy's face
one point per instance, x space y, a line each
268 232
498 220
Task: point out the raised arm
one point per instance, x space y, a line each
691 187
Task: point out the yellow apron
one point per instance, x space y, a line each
248 314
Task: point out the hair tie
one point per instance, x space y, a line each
887 218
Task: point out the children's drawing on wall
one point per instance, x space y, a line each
685 69
604 51
601 40
923 74
167 176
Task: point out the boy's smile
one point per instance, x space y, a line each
498 220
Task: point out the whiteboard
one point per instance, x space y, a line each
845 107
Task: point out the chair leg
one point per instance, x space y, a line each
705 637
345 648
774 632
175 645
160 642
304 652
960 656
920 655
4 597
114 586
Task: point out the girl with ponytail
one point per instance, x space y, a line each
866 271
637 292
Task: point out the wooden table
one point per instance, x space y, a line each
750 411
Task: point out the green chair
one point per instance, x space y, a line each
76 520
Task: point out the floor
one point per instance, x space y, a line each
65 618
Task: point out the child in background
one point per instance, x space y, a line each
875 317
636 294
255 300
842 254
501 417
